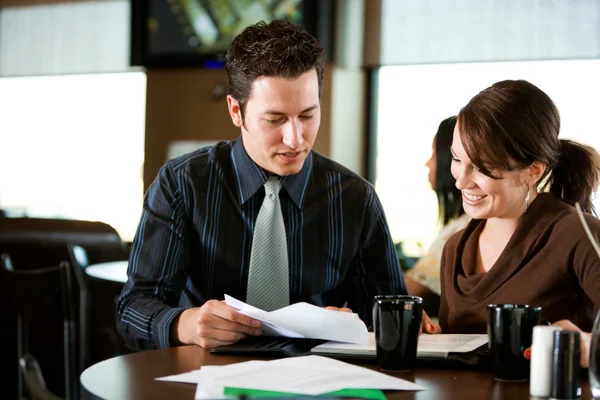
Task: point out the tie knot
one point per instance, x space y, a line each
272 186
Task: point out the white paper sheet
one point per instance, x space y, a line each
429 345
303 320
310 375
208 372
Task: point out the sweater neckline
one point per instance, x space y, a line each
476 287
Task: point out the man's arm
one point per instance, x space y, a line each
375 268
148 315
157 267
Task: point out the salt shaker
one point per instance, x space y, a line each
540 377
566 358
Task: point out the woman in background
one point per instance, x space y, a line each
424 278
522 246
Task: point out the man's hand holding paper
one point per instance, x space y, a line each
212 325
303 320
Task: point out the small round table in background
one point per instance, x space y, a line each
115 271
105 282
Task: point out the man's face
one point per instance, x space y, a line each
281 121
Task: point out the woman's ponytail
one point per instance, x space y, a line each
575 177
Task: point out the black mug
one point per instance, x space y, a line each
510 332
397 324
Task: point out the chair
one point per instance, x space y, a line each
99 338
34 379
42 295
36 243
79 261
18 235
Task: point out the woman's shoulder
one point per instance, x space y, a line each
563 215
562 226
572 222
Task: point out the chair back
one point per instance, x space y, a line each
79 261
99 338
34 379
50 236
38 295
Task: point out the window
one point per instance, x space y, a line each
413 100
72 146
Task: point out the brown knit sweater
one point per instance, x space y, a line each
549 261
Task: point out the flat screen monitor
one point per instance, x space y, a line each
174 33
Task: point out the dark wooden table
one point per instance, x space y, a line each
132 377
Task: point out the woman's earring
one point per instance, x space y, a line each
527 198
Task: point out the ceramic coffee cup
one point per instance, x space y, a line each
510 332
397 324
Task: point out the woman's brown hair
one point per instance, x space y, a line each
511 124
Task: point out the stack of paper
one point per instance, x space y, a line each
303 320
310 375
434 346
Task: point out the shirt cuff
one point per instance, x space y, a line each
161 326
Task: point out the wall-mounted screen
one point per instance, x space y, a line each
170 33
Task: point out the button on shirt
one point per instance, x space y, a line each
194 239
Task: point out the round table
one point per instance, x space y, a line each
115 271
132 377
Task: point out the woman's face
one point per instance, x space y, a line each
432 165
484 197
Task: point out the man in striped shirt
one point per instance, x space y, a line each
194 239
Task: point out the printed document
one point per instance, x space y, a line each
309 375
429 345
303 320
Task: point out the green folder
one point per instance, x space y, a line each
374 394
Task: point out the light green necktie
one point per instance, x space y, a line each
268 277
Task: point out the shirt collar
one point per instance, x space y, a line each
250 177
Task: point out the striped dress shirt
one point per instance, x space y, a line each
194 239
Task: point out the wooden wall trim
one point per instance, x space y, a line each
372 43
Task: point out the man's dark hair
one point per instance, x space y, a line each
279 48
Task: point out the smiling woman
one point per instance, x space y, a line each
519 182
488 191
412 99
